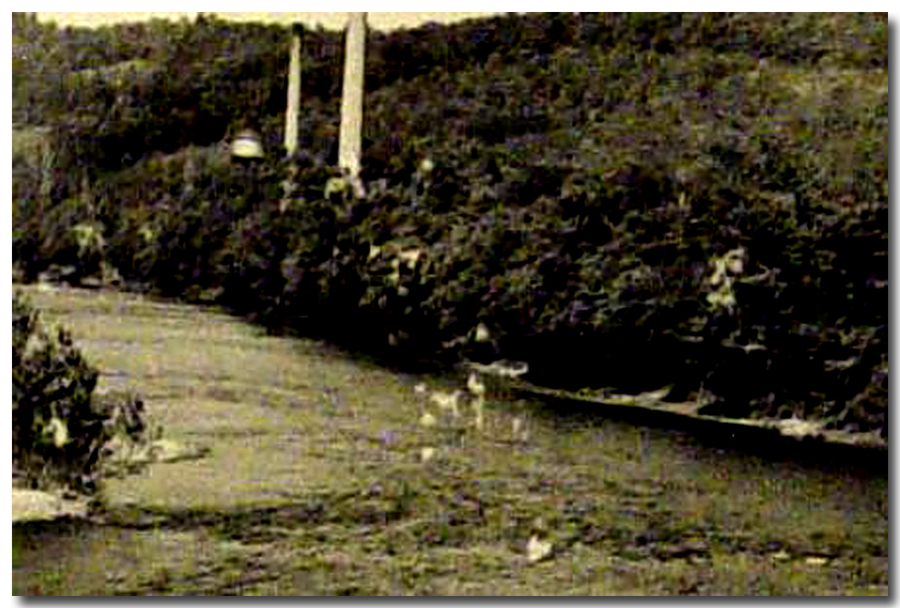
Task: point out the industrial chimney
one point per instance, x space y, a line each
350 149
292 116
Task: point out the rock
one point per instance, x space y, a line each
35 505
615 399
125 452
652 397
427 420
781 556
503 368
793 427
538 549
166 450
427 454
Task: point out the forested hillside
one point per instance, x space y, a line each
622 200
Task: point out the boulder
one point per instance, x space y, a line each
35 505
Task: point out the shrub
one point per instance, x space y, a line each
59 426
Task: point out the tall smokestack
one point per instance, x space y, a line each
352 97
292 117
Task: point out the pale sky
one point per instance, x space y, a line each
377 20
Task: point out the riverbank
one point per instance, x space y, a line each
769 436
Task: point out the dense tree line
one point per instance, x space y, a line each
624 201
192 82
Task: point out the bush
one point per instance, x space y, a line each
59 426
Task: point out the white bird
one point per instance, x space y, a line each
519 432
426 166
447 401
538 549
478 406
427 454
474 385
60 432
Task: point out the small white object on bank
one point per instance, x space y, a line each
447 401
474 385
60 432
482 334
538 549
781 556
478 406
519 432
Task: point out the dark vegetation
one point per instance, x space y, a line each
61 427
627 201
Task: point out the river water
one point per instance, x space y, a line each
292 424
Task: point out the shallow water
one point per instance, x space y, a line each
300 436
656 478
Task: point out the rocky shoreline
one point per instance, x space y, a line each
30 505
651 405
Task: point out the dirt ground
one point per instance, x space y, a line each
323 480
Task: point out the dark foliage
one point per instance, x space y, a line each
631 202
59 427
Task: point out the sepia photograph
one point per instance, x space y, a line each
450 304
